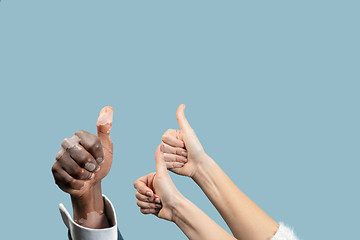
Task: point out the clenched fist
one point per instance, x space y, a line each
85 159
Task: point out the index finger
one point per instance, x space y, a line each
170 138
142 185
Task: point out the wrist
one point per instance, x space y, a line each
89 210
203 169
178 209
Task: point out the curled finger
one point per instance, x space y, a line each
83 158
143 204
171 137
174 158
144 198
65 181
170 165
149 210
166 148
73 169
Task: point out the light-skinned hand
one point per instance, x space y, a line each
155 186
182 149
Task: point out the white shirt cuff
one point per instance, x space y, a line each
80 233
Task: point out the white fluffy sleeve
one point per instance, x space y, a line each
284 233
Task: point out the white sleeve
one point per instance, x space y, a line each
284 233
81 233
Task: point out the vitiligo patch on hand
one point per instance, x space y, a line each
105 116
90 167
68 143
100 160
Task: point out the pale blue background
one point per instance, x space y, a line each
271 88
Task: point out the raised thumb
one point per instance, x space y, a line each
104 124
180 117
161 169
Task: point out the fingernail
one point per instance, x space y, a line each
100 160
105 116
148 194
90 167
157 200
161 147
179 165
158 205
83 186
184 153
92 176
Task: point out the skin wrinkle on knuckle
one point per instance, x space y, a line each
87 160
173 150
95 147
177 133
82 174
59 155
179 151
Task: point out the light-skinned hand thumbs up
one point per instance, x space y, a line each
182 149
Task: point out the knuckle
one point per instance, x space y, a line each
79 132
82 158
136 184
65 142
54 169
80 174
96 146
164 137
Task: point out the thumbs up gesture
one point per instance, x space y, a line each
85 159
182 149
155 186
